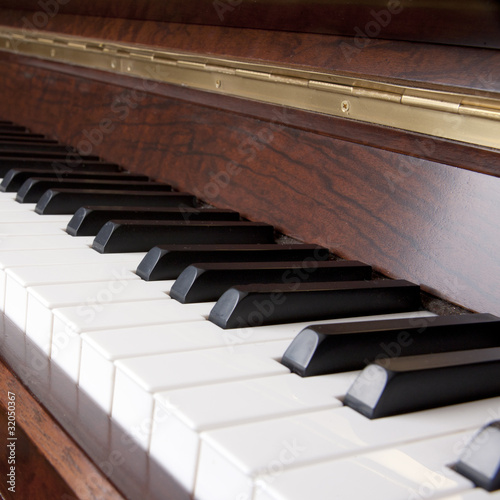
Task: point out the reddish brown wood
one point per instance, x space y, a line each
35 477
475 70
467 156
412 218
441 21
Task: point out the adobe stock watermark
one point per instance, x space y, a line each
394 349
468 443
264 308
248 148
48 9
223 7
119 111
372 29
108 293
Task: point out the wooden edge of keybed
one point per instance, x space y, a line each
67 448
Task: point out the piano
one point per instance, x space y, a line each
370 130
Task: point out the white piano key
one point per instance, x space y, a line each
245 451
100 349
197 409
2 289
9 204
71 264
52 256
58 241
32 228
9 195
474 494
415 471
70 322
137 379
31 216
91 297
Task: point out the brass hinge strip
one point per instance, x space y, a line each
462 117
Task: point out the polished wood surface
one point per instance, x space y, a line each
35 476
476 70
409 217
443 21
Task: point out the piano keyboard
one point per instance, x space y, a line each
215 407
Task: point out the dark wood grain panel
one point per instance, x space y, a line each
442 21
35 477
476 70
467 156
425 221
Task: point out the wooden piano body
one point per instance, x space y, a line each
375 132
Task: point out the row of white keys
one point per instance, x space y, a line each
118 349
28 261
70 322
181 416
91 298
192 355
74 276
185 409
73 266
103 350
415 471
277 456
16 217
137 376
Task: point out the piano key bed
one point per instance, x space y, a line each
224 379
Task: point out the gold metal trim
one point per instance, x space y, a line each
462 117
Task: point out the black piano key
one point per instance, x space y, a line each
19 140
393 386
4 135
34 187
208 281
15 177
88 221
55 166
140 236
331 348
34 146
166 262
480 461
68 201
255 305
13 128
16 141
56 155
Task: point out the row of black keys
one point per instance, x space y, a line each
257 282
